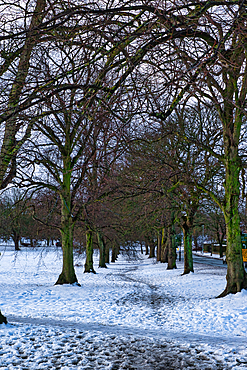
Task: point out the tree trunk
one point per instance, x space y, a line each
236 275
3 319
164 249
16 238
113 254
67 275
141 249
146 247
172 249
17 248
88 267
107 254
102 250
159 239
117 251
188 259
152 250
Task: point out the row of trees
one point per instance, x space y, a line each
152 189
81 84
144 219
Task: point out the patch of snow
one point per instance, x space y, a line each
133 295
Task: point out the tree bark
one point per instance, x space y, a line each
188 259
107 254
102 250
67 275
146 247
159 239
231 113
152 250
236 275
117 251
16 238
164 249
113 254
88 267
172 249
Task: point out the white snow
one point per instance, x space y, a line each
137 295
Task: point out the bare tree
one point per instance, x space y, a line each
70 143
15 217
199 50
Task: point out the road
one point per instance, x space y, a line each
211 261
208 261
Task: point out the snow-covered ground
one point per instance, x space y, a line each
132 301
